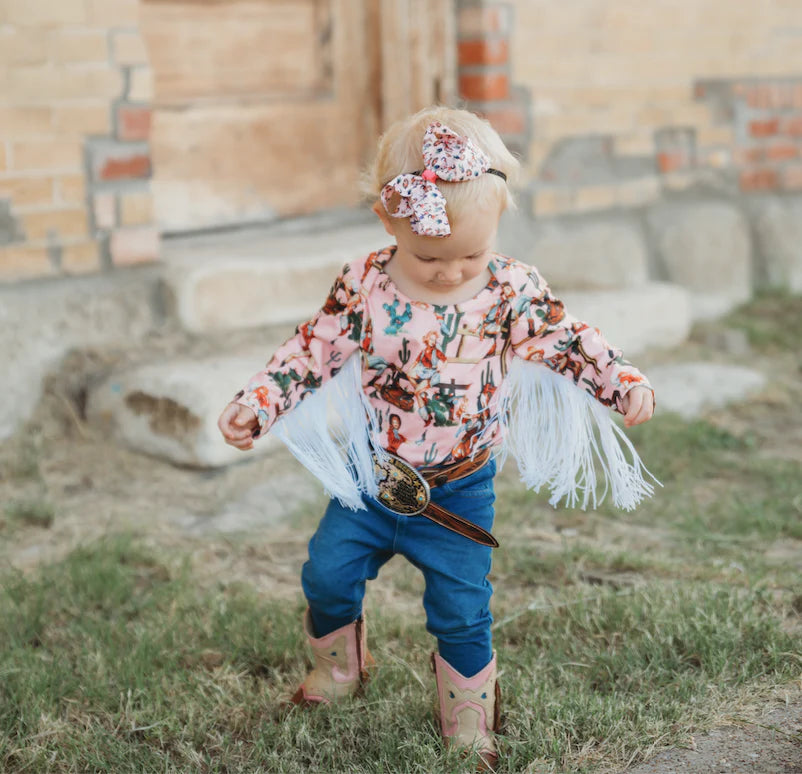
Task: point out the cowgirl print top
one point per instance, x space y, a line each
431 371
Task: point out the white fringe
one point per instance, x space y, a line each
559 434
339 452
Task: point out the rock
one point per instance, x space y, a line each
777 226
589 253
41 321
232 281
171 410
689 389
704 246
653 316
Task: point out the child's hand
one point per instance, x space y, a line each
638 406
237 424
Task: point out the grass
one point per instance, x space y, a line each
615 632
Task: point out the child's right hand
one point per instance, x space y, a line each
237 424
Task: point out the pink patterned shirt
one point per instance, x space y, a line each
431 371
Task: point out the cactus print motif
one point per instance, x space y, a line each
433 378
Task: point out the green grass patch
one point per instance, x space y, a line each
114 661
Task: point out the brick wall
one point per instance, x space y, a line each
74 129
485 77
629 99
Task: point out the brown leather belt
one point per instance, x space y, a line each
406 491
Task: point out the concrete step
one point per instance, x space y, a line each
255 277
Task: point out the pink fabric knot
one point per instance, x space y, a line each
446 156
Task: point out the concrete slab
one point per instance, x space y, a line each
690 389
655 315
251 279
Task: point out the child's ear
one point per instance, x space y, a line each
378 208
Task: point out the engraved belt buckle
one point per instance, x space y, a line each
401 488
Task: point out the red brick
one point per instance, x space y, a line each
507 120
792 177
759 179
484 86
133 122
765 128
483 52
782 152
126 167
671 161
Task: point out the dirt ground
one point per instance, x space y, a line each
79 485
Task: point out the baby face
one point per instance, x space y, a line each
445 266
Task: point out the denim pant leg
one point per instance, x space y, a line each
455 568
347 549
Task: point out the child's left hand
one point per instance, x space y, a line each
638 406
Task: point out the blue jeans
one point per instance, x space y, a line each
349 547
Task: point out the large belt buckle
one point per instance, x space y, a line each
401 488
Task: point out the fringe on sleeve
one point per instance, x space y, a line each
563 439
333 433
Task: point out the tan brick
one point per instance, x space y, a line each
89 118
101 82
71 189
141 85
553 201
27 191
596 197
134 245
81 258
25 121
113 13
136 209
23 47
104 210
27 13
47 83
81 46
129 48
478 21
47 154
24 262
61 223
3 157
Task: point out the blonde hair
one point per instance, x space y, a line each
400 150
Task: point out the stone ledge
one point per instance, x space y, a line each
250 280
655 315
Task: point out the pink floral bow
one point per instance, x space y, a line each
446 155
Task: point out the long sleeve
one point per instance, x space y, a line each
314 354
543 331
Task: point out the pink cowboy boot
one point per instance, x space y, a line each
469 709
341 660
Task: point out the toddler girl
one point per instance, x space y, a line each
437 354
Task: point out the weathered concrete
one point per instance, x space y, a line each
600 254
606 252
690 389
40 322
653 316
705 246
262 506
248 279
171 410
777 225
